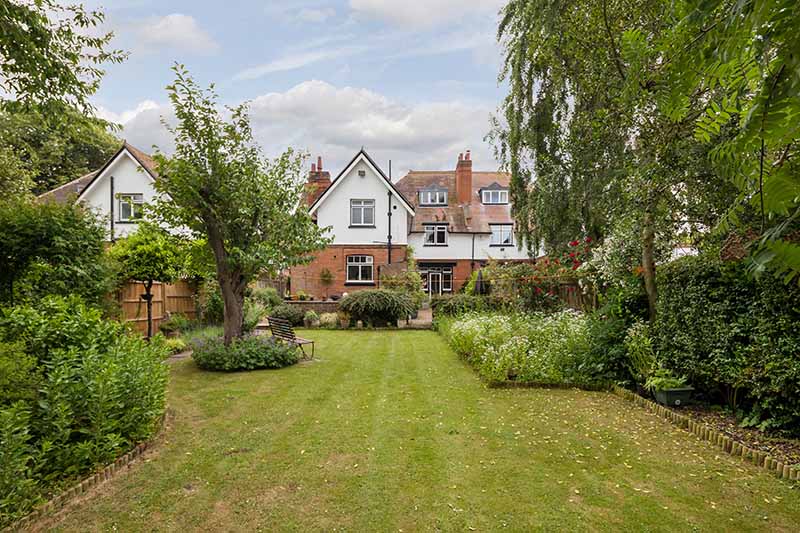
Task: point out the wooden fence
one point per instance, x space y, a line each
168 299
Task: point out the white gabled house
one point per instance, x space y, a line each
117 190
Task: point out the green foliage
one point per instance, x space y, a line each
147 255
19 376
311 319
92 392
378 307
458 304
177 323
218 185
639 349
175 345
329 320
51 249
55 150
292 313
524 348
246 353
49 52
211 307
254 312
267 296
662 379
732 335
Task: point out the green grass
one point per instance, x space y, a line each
390 431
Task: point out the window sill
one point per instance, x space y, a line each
127 221
361 226
495 203
432 205
501 245
434 246
362 283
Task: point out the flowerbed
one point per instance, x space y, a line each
522 348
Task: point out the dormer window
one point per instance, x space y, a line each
433 197
494 196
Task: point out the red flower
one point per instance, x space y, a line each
573 243
588 239
538 290
572 254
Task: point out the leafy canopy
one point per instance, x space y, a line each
149 254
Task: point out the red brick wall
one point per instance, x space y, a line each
334 258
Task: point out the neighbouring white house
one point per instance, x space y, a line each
117 191
455 221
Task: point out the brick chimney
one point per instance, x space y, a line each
464 178
318 181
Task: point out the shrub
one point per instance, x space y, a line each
266 296
247 353
732 335
19 375
458 304
96 392
176 323
176 345
311 319
212 308
639 351
329 320
378 307
253 313
528 348
293 313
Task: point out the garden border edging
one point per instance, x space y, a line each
65 497
704 432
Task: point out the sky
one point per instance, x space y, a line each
414 81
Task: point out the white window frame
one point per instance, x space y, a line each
498 233
362 206
494 196
433 197
361 262
135 201
437 231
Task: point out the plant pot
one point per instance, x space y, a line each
674 397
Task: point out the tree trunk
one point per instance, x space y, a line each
232 287
148 298
648 261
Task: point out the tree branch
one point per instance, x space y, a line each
614 50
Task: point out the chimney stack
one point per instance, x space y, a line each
319 163
313 168
317 182
464 178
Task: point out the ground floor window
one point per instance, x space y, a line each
436 279
359 268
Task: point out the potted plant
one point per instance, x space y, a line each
669 389
326 279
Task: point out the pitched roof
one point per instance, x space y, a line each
362 153
76 187
474 217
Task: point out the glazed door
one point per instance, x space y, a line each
434 283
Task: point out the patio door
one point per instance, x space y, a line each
434 283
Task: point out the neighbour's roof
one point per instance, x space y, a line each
474 217
74 188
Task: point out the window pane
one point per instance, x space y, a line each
124 210
447 281
429 236
369 215
355 215
352 273
366 273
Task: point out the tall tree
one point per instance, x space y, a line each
48 53
219 185
148 255
586 138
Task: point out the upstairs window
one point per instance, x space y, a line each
436 235
359 268
433 198
494 197
362 212
502 235
130 207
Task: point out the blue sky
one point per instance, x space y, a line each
411 80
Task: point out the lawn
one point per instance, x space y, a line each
390 431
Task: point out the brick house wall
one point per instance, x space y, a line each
307 278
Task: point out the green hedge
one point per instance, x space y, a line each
734 336
293 313
81 392
458 304
248 353
378 307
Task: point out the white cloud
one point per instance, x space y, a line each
336 121
315 14
423 13
295 60
175 32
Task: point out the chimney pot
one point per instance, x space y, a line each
468 156
460 156
313 167
319 163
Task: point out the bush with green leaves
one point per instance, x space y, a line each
293 313
175 345
177 323
266 296
87 392
378 307
247 353
640 353
732 336
311 319
521 347
329 320
458 304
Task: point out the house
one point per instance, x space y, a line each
455 221
117 191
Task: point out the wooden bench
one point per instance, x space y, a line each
281 329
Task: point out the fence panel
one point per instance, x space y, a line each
168 298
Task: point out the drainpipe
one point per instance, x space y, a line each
472 259
389 236
112 208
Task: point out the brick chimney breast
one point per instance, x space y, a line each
464 179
